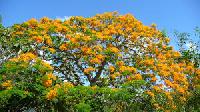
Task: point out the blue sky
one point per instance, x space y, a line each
181 15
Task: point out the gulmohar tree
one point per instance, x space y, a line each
107 57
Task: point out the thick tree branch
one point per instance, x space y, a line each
82 69
99 72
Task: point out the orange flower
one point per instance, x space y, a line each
181 90
87 38
99 56
73 40
149 62
127 69
51 76
51 94
113 76
138 76
63 47
24 57
167 40
32 22
52 50
150 93
88 70
47 83
153 79
86 50
95 60
114 49
129 78
120 63
177 54
98 48
49 41
38 39
156 88
7 84
190 68
94 87
168 83
111 69
44 20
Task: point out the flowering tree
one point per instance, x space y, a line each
106 50
188 44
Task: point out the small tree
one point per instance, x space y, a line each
189 47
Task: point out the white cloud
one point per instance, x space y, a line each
64 18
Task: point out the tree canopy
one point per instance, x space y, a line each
107 54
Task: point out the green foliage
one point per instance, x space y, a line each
189 46
82 107
31 94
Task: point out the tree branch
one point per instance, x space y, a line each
98 73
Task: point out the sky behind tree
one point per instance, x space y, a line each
181 15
